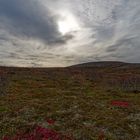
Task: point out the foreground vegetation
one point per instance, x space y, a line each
74 103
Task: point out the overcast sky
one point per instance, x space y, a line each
50 33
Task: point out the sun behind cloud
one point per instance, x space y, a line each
67 23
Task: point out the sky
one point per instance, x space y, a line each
59 33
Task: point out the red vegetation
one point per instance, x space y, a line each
39 133
120 103
50 121
101 136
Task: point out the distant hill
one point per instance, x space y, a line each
103 64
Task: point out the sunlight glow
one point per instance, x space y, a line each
67 24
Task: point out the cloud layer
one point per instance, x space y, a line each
29 33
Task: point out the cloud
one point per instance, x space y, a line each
125 41
115 29
30 19
29 34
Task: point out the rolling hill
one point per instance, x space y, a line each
108 64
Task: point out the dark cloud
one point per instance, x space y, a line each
29 19
61 40
125 43
2 38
